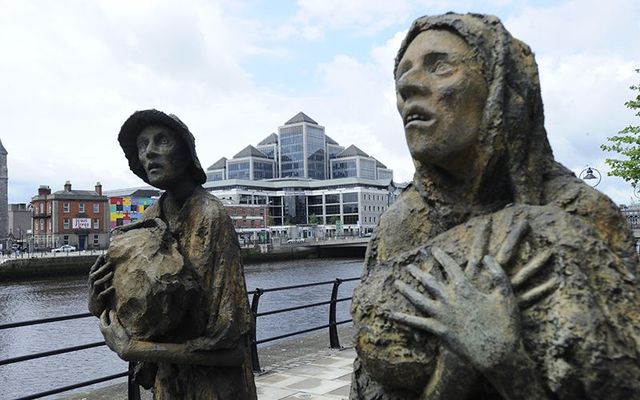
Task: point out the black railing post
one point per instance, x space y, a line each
334 340
255 300
133 390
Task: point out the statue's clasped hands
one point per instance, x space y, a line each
482 327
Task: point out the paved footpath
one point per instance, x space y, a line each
327 376
300 368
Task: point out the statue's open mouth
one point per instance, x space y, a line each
421 117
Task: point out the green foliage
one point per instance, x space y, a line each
314 220
627 144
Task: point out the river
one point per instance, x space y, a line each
22 301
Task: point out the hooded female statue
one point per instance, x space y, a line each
497 274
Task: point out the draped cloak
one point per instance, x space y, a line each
584 337
207 241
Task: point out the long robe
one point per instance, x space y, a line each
207 241
584 337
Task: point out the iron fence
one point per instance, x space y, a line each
134 390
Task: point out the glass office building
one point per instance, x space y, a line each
300 149
292 151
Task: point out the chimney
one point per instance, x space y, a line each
44 190
99 188
67 186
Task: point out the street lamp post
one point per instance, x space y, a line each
591 176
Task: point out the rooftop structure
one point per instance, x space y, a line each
300 149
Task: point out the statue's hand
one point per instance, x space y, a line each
115 335
100 289
483 328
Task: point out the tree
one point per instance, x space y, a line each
627 144
313 219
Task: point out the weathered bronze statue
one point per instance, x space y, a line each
170 292
497 274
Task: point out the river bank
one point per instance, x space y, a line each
46 298
34 267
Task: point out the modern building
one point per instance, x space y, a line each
127 205
4 199
344 206
300 149
76 217
307 180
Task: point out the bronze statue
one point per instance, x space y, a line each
497 274
170 293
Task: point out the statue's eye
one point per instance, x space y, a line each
164 140
142 144
442 68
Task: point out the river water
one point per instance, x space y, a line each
22 301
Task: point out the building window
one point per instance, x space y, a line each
96 208
134 208
96 223
118 207
41 208
81 207
96 242
65 239
119 222
350 219
238 170
66 223
65 207
41 224
49 226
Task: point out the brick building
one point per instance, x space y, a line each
250 220
76 217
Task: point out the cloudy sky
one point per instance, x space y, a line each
71 72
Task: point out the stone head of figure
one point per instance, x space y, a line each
441 93
469 97
160 149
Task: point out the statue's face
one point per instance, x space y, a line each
441 95
163 156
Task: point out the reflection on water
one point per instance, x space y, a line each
55 297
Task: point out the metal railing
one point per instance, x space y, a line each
134 390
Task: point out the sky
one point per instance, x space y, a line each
72 71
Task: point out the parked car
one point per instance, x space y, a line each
296 240
64 248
